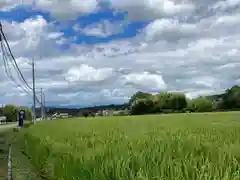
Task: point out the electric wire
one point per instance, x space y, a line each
9 73
14 60
8 69
6 56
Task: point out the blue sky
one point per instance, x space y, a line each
103 51
130 29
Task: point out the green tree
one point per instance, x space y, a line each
143 106
86 113
200 104
163 100
178 101
170 101
138 95
1 111
11 112
143 103
231 98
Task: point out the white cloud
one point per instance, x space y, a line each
67 9
169 28
137 9
55 35
207 81
224 5
145 81
6 5
193 94
101 29
231 20
29 35
152 9
85 73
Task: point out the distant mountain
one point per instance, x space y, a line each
105 107
73 110
68 107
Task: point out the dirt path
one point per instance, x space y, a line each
21 167
3 155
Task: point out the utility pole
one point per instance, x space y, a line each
34 92
41 103
44 112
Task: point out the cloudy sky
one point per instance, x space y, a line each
91 52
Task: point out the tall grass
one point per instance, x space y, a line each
172 147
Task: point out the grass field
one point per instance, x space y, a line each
179 146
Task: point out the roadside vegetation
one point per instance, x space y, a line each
11 112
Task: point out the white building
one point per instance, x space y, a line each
3 120
60 115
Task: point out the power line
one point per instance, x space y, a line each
9 56
8 70
6 54
14 60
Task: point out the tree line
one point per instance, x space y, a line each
146 103
170 102
10 111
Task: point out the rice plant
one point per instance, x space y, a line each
157 147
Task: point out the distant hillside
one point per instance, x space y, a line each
75 111
106 107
